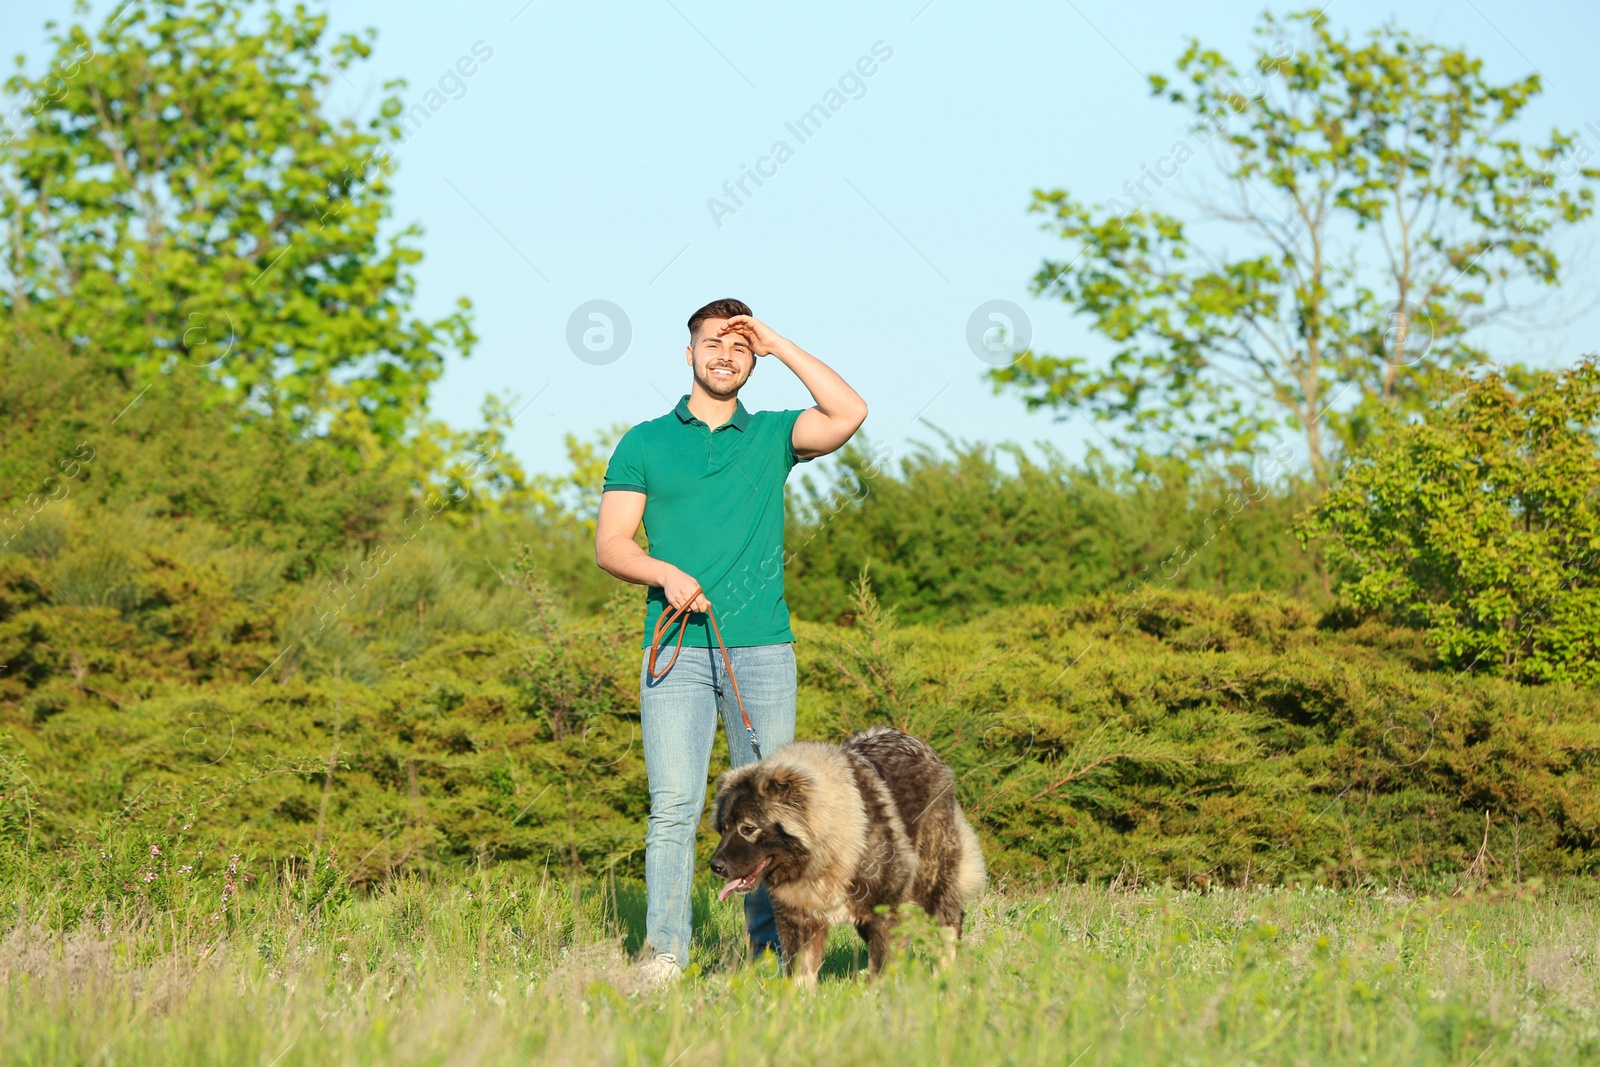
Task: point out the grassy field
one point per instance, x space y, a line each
502 971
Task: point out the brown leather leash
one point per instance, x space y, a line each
666 619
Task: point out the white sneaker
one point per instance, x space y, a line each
660 970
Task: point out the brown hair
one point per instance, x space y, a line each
717 309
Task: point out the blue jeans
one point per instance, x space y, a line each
678 716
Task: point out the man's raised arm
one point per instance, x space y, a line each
839 410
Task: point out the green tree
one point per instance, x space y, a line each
174 194
1482 523
1382 206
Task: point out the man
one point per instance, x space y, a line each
706 480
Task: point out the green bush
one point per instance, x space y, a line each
1481 522
77 431
1231 739
950 535
1185 736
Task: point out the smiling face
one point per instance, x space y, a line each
722 362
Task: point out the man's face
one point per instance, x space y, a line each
722 362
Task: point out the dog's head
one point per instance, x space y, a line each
760 811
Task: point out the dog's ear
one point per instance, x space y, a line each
783 783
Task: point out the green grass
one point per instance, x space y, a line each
526 971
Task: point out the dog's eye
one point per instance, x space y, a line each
749 831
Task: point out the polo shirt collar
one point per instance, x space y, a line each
740 419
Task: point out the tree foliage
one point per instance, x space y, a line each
1380 206
1482 524
179 198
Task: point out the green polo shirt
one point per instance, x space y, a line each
714 508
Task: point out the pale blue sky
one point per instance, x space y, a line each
578 164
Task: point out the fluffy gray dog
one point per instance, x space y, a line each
837 830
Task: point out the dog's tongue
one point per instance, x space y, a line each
727 890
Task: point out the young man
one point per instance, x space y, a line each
707 480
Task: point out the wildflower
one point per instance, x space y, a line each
154 850
344 957
149 876
185 869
